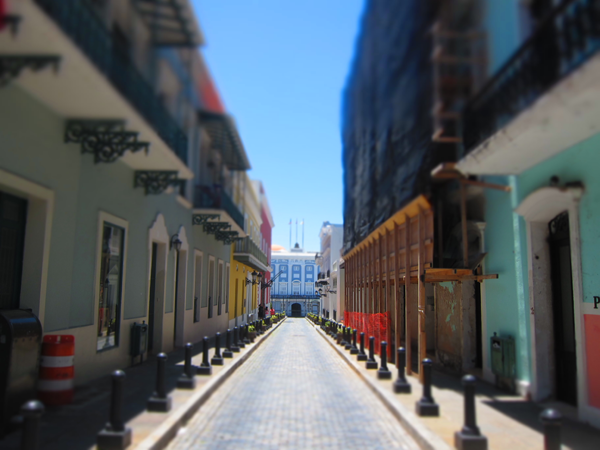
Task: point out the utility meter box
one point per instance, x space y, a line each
20 345
503 356
139 339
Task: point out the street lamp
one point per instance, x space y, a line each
176 244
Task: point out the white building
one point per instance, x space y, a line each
294 273
329 260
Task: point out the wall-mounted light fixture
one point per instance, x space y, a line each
176 242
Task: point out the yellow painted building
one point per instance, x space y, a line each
247 259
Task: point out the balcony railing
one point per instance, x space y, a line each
567 38
248 247
209 197
78 20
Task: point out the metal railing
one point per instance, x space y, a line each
209 197
566 38
247 246
79 21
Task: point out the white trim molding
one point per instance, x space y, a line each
158 233
539 208
38 233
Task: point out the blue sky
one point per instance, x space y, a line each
281 66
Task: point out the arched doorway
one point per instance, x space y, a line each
296 310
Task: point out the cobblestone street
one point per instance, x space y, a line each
294 393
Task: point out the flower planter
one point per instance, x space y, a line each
251 335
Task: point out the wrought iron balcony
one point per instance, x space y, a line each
80 22
565 40
246 246
214 198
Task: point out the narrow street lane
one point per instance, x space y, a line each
293 393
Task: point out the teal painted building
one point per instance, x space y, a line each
534 126
119 179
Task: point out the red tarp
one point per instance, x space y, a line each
376 325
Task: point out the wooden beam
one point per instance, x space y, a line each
409 211
440 243
499 187
422 336
463 218
399 323
407 296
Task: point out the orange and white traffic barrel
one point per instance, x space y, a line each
57 374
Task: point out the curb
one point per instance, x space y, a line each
167 430
424 437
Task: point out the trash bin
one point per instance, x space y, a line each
20 341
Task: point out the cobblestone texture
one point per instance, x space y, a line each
293 393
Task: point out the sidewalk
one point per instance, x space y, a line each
508 421
75 426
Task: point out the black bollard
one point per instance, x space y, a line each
187 379
469 437
384 373
234 347
32 412
551 420
338 335
354 349
228 353
240 337
160 401
343 342
348 345
115 434
217 359
204 368
246 340
362 356
256 328
401 385
371 363
427 405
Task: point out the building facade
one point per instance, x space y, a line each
123 205
266 230
482 254
542 144
331 236
293 290
251 262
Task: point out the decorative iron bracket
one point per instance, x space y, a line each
106 139
226 236
214 227
156 181
201 219
12 21
12 65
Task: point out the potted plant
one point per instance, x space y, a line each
251 333
339 335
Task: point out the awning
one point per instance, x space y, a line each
171 22
224 137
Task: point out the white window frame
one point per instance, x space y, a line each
122 223
210 295
198 255
226 290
